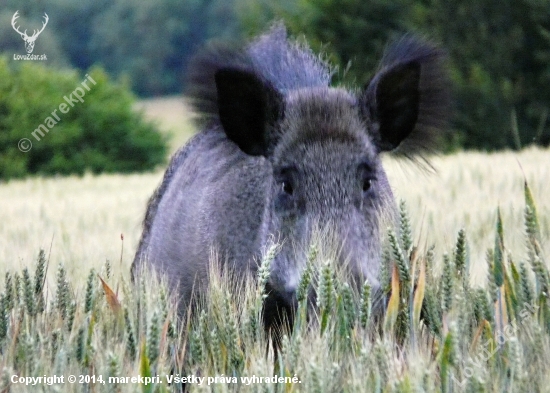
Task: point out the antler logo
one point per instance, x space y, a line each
29 41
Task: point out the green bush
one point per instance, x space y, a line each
70 123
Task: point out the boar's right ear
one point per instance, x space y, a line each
247 107
407 102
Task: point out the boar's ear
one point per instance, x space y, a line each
407 101
247 107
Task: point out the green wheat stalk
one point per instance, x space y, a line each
399 257
405 228
447 282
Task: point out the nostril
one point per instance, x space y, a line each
279 306
290 299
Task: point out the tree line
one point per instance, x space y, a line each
499 51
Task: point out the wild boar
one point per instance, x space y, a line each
281 152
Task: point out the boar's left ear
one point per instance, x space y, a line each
247 106
407 102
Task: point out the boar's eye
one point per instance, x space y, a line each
367 184
366 177
285 180
286 186
285 201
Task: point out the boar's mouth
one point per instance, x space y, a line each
279 308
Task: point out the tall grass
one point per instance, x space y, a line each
434 332
464 290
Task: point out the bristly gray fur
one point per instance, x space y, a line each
435 98
286 65
153 202
282 153
201 86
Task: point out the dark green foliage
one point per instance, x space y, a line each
39 279
28 293
307 276
153 338
9 289
352 32
447 283
405 231
365 307
327 294
164 301
385 268
399 258
55 342
499 58
460 253
156 63
89 298
62 297
347 313
119 36
403 323
131 349
482 308
431 312
534 250
142 307
100 134
430 256
541 274
196 346
71 313
526 287
491 285
531 219
16 289
231 335
498 254
3 317
80 345
498 55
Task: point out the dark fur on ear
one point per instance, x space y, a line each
272 57
408 100
248 106
201 85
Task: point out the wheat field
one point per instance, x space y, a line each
79 220
438 332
